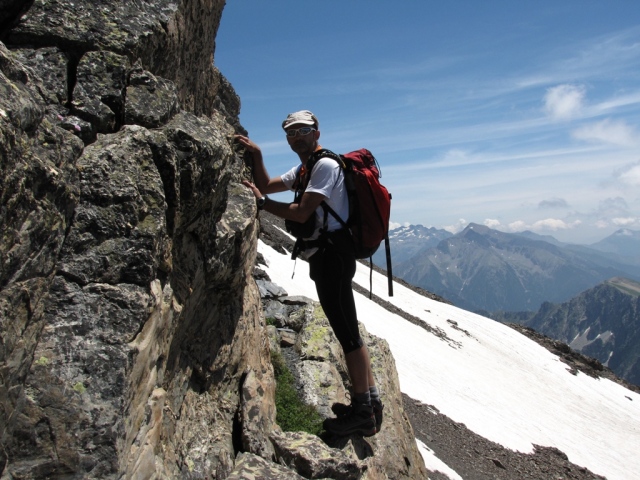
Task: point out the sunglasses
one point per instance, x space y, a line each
300 131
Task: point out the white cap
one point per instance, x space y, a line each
304 117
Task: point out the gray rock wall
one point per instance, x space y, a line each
132 338
128 324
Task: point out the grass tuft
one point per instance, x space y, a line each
293 415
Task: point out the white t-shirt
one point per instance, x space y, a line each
328 180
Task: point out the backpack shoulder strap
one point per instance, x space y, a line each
296 183
326 153
303 174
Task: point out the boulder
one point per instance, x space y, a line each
252 467
151 100
312 458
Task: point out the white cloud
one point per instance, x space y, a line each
630 222
612 104
517 226
554 224
546 225
614 212
601 224
456 227
618 222
630 175
608 131
492 223
564 101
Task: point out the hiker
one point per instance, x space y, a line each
332 263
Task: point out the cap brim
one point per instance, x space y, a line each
298 122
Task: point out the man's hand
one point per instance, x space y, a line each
253 188
249 145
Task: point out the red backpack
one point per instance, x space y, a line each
369 205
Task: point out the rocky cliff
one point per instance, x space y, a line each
132 337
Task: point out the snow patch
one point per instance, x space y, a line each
434 464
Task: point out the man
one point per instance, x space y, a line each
332 263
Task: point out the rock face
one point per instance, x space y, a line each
132 337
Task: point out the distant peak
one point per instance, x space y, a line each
476 227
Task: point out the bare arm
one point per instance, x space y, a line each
261 177
264 184
298 212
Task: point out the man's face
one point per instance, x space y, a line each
302 144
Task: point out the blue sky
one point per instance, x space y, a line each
517 115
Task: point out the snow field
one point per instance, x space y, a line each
497 382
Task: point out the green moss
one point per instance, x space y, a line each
318 334
293 415
270 321
79 387
42 361
148 225
318 312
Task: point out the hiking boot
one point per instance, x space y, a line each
359 420
341 409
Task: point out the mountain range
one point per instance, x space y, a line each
482 269
409 241
602 322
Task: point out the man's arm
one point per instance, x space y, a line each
261 177
298 212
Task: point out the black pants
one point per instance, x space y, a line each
332 272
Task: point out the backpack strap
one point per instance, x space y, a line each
300 184
387 250
326 153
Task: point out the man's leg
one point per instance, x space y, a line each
332 273
359 366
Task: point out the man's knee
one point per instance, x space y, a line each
352 345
